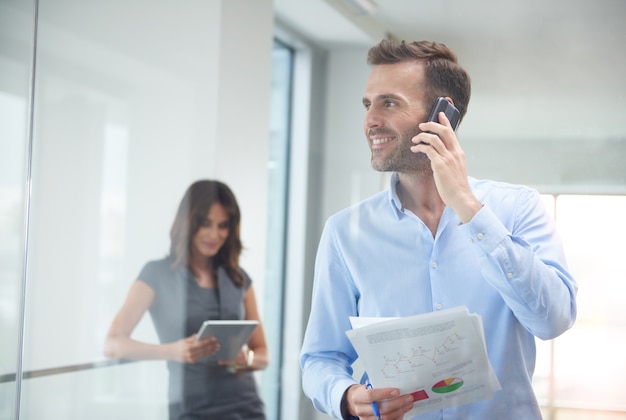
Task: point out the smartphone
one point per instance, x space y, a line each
442 105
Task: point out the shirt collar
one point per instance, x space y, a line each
394 200
396 204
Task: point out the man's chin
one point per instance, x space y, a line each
379 167
416 166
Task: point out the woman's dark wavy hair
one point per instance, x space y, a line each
192 211
443 74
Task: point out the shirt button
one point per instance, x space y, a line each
439 306
509 275
480 236
433 264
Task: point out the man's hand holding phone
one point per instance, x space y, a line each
445 106
447 159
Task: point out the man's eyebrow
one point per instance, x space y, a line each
388 96
383 97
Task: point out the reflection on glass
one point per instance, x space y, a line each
200 279
124 121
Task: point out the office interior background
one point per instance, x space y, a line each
109 110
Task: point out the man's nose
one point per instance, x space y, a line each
372 119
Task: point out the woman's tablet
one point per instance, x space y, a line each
231 334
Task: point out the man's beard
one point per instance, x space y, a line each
401 158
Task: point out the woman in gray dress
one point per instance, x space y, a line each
200 279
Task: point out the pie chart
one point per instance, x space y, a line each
447 385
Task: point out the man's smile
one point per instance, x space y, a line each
382 140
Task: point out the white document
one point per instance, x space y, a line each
440 358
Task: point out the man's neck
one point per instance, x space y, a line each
418 193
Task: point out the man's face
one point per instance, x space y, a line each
393 102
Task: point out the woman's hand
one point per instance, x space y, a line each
190 350
241 361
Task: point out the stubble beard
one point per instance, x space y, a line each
401 159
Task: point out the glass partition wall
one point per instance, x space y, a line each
108 112
16 62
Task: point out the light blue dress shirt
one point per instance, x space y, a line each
376 259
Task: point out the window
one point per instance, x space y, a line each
581 374
278 168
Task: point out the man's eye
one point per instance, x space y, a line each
367 106
389 104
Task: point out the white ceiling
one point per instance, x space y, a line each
565 54
329 23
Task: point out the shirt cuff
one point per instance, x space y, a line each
345 415
485 231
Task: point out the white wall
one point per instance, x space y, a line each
346 153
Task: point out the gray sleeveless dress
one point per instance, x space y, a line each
200 390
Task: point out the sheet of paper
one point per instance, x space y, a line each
364 321
440 357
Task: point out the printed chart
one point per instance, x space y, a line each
438 358
401 364
447 385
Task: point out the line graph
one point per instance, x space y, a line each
405 363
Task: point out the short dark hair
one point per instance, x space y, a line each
192 211
443 74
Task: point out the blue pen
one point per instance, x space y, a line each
374 404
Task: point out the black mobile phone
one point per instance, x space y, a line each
442 105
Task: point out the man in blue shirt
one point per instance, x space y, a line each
435 239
